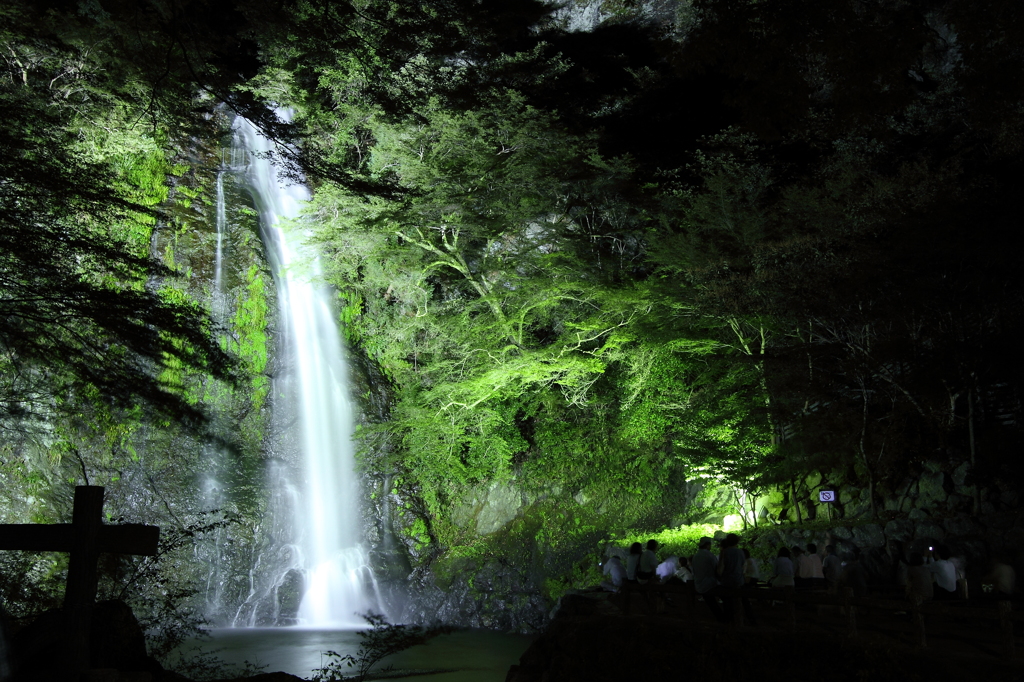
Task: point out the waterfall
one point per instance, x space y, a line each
339 582
222 226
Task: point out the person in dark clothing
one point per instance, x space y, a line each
730 576
633 561
705 580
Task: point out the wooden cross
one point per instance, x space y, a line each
85 538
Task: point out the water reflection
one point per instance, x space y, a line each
467 655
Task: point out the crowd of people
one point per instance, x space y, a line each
718 578
714 577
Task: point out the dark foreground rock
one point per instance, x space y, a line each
38 651
117 647
266 677
588 641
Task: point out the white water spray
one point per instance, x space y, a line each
339 582
222 228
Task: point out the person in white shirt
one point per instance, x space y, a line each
683 572
616 574
751 568
667 568
782 570
943 571
811 568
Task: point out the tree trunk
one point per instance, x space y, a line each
796 502
864 454
974 462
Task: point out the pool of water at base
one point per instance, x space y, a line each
464 655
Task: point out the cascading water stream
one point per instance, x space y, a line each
222 226
339 581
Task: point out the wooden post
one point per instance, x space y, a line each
80 593
1006 625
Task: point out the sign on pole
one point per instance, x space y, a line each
826 496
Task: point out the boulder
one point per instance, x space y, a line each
963 527
116 638
842 533
265 677
917 514
931 489
929 530
289 597
771 501
956 502
857 509
464 515
869 535
900 529
502 505
1009 498
1013 539
959 474
117 646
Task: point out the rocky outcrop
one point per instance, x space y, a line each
938 489
506 585
494 596
972 540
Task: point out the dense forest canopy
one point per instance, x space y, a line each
753 239
730 238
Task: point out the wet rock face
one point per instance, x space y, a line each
489 508
491 594
289 597
495 597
